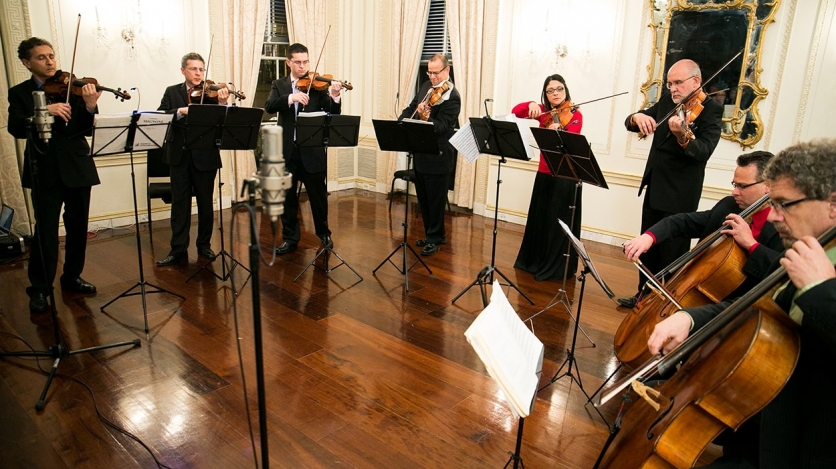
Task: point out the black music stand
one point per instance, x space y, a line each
500 138
145 131
57 350
213 127
588 267
316 130
568 156
412 137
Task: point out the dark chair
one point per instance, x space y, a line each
408 176
156 169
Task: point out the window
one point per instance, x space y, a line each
273 53
436 40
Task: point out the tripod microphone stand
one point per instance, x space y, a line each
501 139
151 135
58 350
412 137
212 127
322 131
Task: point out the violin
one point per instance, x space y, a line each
59 84
689 111
562 114
432 98
319 82
207 93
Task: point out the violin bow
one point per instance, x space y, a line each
697 90
206 71
316 67
575 106
72 64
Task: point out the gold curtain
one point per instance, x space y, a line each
244 22
464 20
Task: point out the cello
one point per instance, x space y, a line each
706 274
731 369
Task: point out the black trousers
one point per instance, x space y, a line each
44 252
188 181
660 255
432 200
317 190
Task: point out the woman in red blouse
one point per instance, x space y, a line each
544 246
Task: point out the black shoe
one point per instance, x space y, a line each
171 259
37 303
206 252
285 248
429 249
327 242
423 242
628 302
78 285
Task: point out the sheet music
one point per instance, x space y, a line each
525 125
154 126
111 133
311 114
416 121
512 354
464 141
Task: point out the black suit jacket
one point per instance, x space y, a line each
313 159
673 175
67 158
796 428
701 224
174 98
445 117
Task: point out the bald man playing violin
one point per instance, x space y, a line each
65 173
307 165
675 169
192 171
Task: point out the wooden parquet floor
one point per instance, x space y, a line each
358 374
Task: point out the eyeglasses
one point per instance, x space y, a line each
431 73
782 206
299 63
555 90
737 185
678 83
195 69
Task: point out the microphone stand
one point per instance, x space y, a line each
58 350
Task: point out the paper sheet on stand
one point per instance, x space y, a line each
512 354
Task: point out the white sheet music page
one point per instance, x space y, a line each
110 134
154 126
512 354
464 141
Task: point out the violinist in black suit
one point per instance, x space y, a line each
192 171
65 173
307 165
432 170
794 429
675 169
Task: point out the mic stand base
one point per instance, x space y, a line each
325 253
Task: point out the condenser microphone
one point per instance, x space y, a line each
271 176
42 120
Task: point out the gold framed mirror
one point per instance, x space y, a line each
711 33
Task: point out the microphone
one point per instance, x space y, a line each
42 120
271 176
